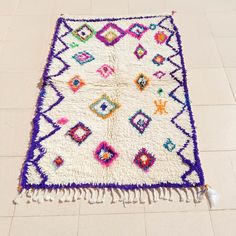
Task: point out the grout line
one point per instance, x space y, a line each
232 150
12 218
227 76
212 227
145 223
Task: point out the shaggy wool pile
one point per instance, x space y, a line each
113 114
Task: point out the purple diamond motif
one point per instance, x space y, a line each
144 159
159 74
140 51
140 121
110 34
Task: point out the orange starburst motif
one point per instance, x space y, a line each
160 107
160 37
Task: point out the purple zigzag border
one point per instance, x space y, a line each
197 165
36 144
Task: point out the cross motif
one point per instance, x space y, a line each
160 107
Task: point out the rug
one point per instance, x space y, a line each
113 115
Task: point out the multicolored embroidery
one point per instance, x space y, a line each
144 159
160 107
140 121
76 83
137 30
169 145
152 26
83 57
158 59
104 106
159 74
62 121
79 132
140 51
84 32
58 161
105 154
142 81
110 34
105 71
160 37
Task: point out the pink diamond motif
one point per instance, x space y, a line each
159 74
105 71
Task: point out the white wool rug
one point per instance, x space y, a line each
113 115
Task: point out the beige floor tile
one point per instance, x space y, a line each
222 24
176 205
28 7
115 225
155 7
44 226
218 6
15 125
18 56
226 51
26 91
224 223
179 223
8 7
106 7
5 223
9 173
219 174
73 7
109 208
5 21
27 27
209 86
231 73
47 209
186 6
216 127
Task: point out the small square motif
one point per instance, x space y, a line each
58 161
105 153
158 59
169 145
83 57
83 33
142 81
79 132
105 71
137 30
76 83
140 51
144 159
140 121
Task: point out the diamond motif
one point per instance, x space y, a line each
140 51
104 106
142 81
140 121
83 57
83 33
105 71
144 159
159 74
105 153
79 132
76 83
110 34
158 59
58 161
137 30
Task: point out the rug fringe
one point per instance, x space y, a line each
97 195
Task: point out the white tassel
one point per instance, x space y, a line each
164 193
40 196
63 198
100 198
212 196
34 197
141 199
113 199
92 196
155 192
186 193
170 195
149 195
18 197
135 199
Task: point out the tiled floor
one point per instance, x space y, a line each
208 29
